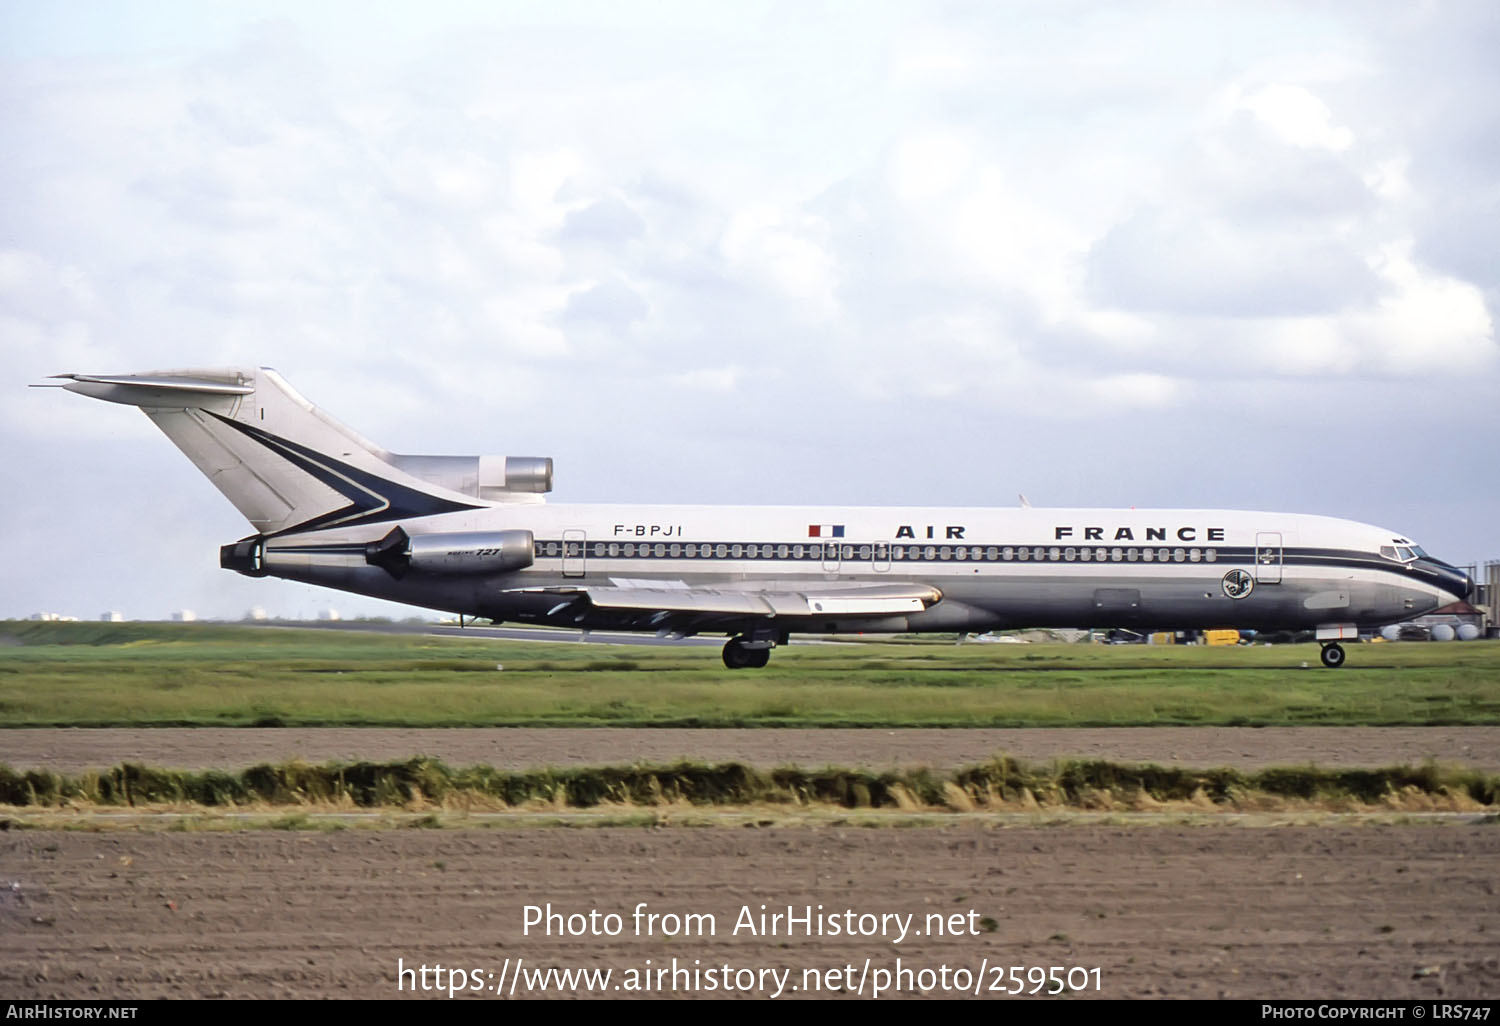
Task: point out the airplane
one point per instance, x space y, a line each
473 535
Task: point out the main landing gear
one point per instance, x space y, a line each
1333 655
747 654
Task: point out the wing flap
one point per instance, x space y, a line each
871 600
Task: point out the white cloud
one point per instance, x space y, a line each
1295 116
709 379
1426 323
787 252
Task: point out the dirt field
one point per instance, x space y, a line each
1393 911
520 748
1366 911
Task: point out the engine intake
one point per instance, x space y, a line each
470 552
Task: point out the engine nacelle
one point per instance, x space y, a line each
484 477
469 552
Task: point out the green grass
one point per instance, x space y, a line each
227 675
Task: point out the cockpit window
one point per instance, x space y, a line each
1405 553
1419 551
1388 551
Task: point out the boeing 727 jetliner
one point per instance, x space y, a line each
472 535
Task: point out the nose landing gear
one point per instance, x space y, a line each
1333 655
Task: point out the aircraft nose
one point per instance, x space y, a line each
1449 578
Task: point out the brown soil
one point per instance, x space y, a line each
1367 911
1291 912
518 748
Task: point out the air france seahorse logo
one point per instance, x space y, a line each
1238 584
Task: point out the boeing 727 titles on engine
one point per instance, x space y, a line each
472 535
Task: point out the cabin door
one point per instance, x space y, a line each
1268 557
575 552
831 557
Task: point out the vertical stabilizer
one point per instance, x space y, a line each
281 461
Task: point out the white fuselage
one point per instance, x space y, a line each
993 567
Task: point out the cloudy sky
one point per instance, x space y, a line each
1155 254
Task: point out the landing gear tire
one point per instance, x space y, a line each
738 657
1333 656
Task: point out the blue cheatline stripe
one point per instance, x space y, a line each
372 499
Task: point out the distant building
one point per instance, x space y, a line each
256 613
329 614
184 616
54 617
112 617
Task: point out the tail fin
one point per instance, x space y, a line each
285 464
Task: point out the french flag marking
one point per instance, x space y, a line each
825 530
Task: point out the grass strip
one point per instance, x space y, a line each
140 675
1001 783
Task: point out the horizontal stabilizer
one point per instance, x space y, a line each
285 464
154 390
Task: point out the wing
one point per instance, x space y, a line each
689 608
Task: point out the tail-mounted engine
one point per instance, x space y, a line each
477 552
484 477
245 556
